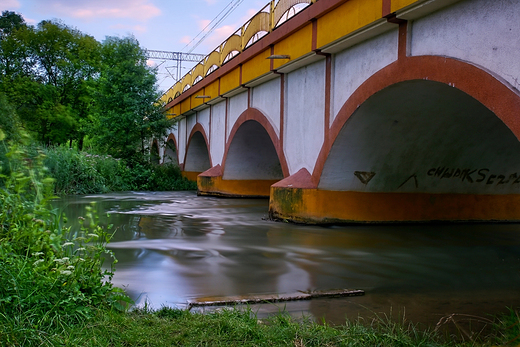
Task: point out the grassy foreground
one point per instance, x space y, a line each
172 327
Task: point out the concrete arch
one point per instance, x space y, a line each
423 136
171 153
488 90
445 191
197 158
253 141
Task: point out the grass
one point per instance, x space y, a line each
233 327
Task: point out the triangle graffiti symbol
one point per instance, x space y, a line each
364 176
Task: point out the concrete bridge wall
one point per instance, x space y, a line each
412 116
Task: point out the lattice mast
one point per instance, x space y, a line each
178 57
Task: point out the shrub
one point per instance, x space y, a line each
84 173
48 272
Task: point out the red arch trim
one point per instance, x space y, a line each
256 115
198 128
491 91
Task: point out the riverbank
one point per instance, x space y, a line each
233 327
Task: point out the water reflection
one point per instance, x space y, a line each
174 247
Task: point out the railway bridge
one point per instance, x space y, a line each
359 111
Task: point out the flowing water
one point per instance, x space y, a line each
175 247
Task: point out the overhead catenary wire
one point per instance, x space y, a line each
202 31
230 7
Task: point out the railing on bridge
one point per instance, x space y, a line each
266 20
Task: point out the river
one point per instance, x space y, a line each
175 247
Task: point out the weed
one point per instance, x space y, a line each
51 276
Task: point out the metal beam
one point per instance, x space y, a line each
178 56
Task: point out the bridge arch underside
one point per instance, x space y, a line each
251 165
170 153
197 157
417 150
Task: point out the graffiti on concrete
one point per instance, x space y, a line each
364 176
414 176
484 176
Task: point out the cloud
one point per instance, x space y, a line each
220 34
140 10
131 28
185 39
10 5
30 21
202 23
211 2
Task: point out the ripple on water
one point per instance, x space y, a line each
176 246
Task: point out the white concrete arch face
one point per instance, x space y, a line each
170 153
425 137
197 155
252 155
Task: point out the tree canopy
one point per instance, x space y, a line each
126 96
65 86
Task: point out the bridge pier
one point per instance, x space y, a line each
211 183
312 205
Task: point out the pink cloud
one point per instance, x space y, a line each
9 5
186 39
131 28
140 10
203 23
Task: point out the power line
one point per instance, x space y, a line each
202 31
230 7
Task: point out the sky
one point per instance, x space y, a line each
164 25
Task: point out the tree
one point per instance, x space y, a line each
46 73
13 57
67 63
126 99
9 124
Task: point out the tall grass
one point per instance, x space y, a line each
51 276
233 327
84 173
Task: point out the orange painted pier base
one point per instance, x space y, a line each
211 183
311 205
190 175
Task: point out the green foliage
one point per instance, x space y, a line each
510 325
14 60
9 122
64 86
128 114
47 72
48 272
83 173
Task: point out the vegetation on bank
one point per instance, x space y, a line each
49 273
78 172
